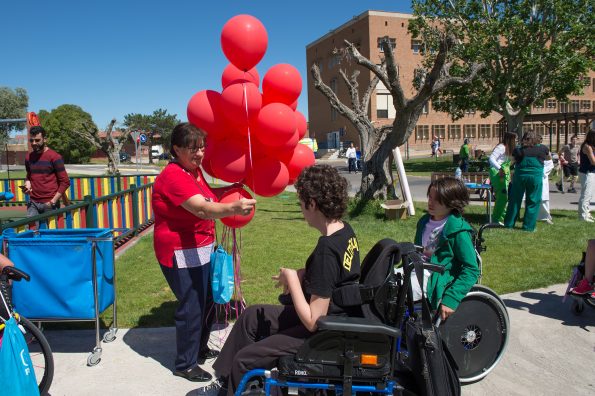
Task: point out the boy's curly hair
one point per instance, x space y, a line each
323 185
451 193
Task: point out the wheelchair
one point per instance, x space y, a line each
363 354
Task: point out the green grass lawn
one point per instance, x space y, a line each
278 236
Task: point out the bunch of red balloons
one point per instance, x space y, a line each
252 135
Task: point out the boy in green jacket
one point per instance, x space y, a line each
446 238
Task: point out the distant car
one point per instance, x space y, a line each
124 156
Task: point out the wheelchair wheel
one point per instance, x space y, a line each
485 289
41 355
477 335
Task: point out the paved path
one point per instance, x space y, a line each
550 352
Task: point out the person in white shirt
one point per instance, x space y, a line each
500 160
351 155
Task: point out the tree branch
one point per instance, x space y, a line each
331 96
352 86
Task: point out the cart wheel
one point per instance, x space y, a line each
94 358
110 335
577 307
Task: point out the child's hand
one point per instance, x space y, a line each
445 312
283 278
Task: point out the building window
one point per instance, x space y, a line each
416 46
539 129
587 81
496 131
469 112
382 105
575 106
593 85
422 132
393 42
538 105
454 132
333 114
470 131
484 131
333 85
334 61
564 107
551 103
439 130
585 104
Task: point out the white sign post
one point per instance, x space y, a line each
136 137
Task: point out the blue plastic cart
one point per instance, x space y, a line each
73 277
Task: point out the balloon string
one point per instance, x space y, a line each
249 140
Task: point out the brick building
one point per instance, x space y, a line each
366 31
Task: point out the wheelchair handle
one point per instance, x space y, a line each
15 274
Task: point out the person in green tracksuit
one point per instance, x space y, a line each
446 238
500 174
527 180
464 156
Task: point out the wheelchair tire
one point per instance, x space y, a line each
485 289
477 335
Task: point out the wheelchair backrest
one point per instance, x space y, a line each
379 262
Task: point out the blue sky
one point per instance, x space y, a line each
114 57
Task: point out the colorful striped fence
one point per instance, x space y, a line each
127 211
95 186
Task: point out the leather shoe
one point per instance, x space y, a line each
194 374
208 354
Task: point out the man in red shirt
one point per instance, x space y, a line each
46 179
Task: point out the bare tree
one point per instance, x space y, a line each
109 144
379 141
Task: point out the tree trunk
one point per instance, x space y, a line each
514 123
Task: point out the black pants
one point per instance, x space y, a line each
195 313
261 335
351 163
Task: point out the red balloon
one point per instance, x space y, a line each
276 125
232 75
228 160
244 41
204 111
302 157
239 97
294 105
232 195
268 177
282 83
301 124
206 160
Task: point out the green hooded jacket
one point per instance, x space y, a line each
455 251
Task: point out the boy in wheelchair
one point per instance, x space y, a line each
447 241
263 333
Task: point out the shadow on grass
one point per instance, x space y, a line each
550 305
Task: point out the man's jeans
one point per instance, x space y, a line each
36 208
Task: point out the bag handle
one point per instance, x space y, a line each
426 313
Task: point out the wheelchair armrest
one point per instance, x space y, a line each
355 325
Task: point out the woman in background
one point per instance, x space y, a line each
500 174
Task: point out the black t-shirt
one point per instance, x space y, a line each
333 263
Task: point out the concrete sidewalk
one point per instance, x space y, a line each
550 353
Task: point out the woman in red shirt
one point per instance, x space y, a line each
185 207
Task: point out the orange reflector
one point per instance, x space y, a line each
369 359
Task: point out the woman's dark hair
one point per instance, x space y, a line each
509 141
36 130
451 193
323 185
529 139
186 135
589 139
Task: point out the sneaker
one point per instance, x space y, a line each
583 287
559 186
572 190
588 219
208 354
549 221
215 388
